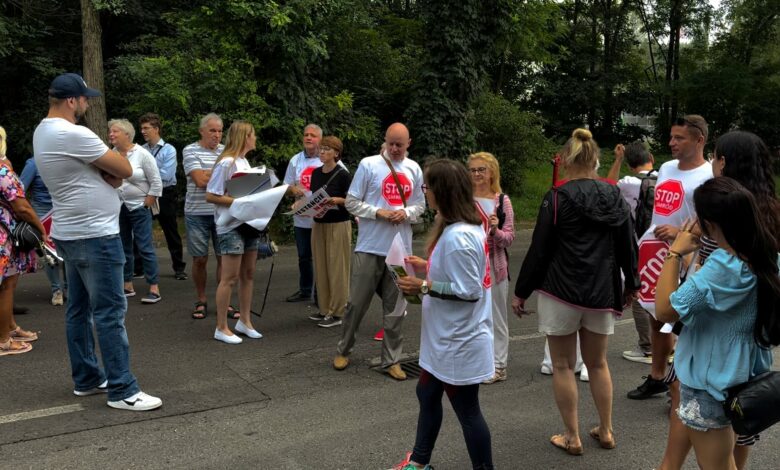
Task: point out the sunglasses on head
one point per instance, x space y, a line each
681 121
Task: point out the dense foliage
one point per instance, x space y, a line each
508 76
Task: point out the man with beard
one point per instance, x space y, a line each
82 174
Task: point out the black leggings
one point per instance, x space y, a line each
465 402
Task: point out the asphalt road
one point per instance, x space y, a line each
276 403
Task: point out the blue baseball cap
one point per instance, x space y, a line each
71 85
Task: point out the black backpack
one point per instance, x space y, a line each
643 215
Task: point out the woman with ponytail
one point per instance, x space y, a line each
730 308
582 241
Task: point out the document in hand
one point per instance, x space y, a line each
488 205
314 206
251 181
396 263
51 250
255 209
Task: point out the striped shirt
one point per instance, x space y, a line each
196 157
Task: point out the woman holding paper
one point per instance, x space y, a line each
331 235
238 242
486 180
456 343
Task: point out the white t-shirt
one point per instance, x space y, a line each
674 193
85 206
299 172
195 157
220 175
629 189
374 185
456 341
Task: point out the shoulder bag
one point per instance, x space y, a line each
755 405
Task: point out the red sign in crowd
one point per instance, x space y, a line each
390 189
651 259
669 197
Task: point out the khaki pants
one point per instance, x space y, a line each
331 245
369 276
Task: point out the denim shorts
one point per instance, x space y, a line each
199 229
700 411
233 243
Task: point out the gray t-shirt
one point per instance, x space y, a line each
195 157
85 206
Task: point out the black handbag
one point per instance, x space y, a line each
26 237
754 405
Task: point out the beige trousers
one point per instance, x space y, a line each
331 246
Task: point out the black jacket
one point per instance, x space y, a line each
583 238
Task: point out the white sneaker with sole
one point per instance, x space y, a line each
138 402
229 339
546 370
57 299
102 388
245 330
584 377
636 355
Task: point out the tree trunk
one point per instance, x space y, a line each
92 50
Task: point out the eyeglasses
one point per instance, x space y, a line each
325 148
424 188
681 121
478 171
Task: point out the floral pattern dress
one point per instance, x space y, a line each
11 263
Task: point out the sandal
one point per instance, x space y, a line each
201 309
559 441
610 444
14 347
233 313
23 336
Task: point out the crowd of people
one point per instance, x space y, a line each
713 223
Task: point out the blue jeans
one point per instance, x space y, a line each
136 226
52 272
96 299
305 264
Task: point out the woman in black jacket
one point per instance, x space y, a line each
582 241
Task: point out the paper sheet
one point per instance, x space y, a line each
255 209
315 205
396 263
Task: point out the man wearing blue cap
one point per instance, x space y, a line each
82 173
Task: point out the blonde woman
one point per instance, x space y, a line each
582 241
486 181
238 242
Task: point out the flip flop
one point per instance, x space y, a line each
594 433
11 347
200 313
233 313
559 441
23 336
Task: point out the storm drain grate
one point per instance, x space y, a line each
410 366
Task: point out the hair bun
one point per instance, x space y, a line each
582 134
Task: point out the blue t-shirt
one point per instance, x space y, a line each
36 191
718 305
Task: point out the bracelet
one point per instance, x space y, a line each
673 254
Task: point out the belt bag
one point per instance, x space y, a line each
754 405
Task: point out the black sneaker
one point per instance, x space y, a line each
329 321
317 316
298 297
180 276
650 388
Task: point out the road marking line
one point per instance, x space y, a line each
542 335
57 410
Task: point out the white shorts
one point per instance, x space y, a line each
560 319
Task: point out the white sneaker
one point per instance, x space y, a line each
102 388
636 355
584 374
138 402
245 330
546 370
57 299
229 339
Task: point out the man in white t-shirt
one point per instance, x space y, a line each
198 159
298 176
677 180
82 174
385 205
640 163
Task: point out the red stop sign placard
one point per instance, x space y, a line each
390 189
651 259
306 177
669 197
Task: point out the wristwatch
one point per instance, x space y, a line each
424 288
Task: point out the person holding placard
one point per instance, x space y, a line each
331 236
238 242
